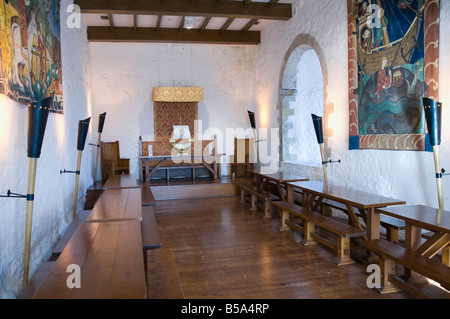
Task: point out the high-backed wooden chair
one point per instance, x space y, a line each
111 162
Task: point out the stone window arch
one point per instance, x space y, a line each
303 83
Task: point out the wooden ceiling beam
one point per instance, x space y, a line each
111 21
158 22
205 23
205 8
172 35
181 25
249 25
226 24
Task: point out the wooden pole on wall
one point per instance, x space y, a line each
83 127
317 122
324 165
433 116
37 121
29 218
101 122
77 181
438 169
251 116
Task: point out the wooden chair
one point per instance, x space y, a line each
242 159
111 162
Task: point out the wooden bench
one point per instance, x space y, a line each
150 234
109 255
38 277
147 197
117 204
78 219
256 193
163 281
310 219
121 181
391 224
391 254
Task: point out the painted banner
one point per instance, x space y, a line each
30 51
393 64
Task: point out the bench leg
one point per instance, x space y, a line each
343 252
284 217
242 196
308 230
392 235
253 200
387 267
267 209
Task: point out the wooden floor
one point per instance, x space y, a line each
223 250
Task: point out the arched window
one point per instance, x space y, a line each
302 95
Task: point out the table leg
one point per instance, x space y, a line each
154 169
413 237
281 192
372 232
140 169
146 171
216 170
284 216
289 193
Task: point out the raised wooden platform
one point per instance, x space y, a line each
189 189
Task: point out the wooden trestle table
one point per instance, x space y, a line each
187 161
279 178
315 191
418 217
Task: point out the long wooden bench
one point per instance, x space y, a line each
391 253
38 277
109 256
310 219
148 199
392 225
256 193
79 218
150 234
163 281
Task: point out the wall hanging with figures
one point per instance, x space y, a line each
30 51
393 64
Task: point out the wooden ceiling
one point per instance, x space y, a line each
215 21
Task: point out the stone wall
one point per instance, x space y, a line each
54 192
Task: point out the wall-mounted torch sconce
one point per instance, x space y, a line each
37 121
433 115
83 127
101 122
251 116
318 127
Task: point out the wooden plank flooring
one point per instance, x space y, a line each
223 250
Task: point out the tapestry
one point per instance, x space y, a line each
30 51
393 63
168 114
